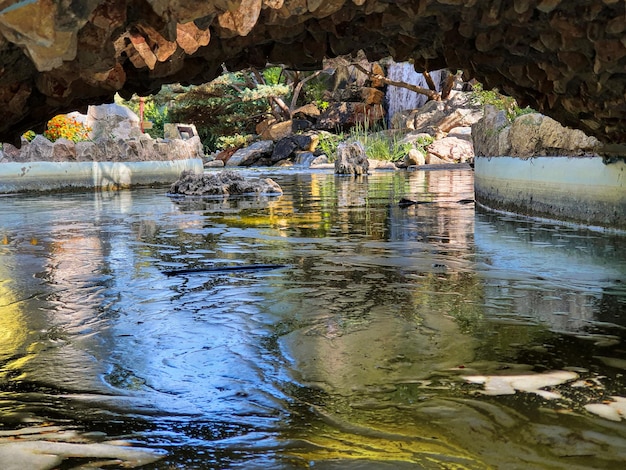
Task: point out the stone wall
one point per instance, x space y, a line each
563 58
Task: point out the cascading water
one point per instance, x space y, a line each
399 99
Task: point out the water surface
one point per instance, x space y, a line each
432 336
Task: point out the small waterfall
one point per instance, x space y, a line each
399 99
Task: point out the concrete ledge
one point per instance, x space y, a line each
48 176
576 189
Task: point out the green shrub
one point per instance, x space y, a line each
508 104
233 141
231 105
422 143
328 143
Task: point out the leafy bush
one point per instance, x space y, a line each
66 127
508 104
233 141
232 104
422 143
328 144
154 110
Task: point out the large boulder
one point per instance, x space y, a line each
112 121
451 150
535 134
529 135
440 117
490 134
224 183
251 154
351 159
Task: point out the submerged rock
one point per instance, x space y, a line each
222 184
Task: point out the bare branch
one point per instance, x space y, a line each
432 95
298 88
429 80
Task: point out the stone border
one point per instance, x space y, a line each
50 176
581 190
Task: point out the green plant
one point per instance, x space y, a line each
315 91
233 141
422 143
155 110
66 127
273 75
29 135
328 143
380 143
322 105
504 103
232 104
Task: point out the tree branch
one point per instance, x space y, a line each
432 95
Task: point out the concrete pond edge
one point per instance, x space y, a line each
578 190
19 177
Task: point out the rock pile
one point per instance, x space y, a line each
224 183
115 137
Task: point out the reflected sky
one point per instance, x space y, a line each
354 355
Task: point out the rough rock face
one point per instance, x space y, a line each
351 159
563 58
224 183
530 135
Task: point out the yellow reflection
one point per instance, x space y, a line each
386 445
13 329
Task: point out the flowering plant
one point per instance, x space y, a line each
66 127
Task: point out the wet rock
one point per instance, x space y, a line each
306 142
224 183
283 149
381 165
250 155
351 159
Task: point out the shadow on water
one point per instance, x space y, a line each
428 336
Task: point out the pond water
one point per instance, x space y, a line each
430 336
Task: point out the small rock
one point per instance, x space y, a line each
214 164
414 157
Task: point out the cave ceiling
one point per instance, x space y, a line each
566 59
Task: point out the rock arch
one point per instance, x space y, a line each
565 59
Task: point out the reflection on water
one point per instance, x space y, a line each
423 337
